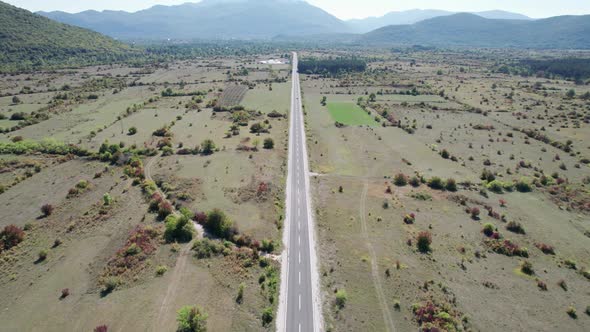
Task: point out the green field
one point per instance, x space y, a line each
350 114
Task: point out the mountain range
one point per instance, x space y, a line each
282 20
209 19
469 30
242 19
416 15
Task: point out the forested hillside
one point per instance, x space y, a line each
29 40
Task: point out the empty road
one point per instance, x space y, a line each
299 306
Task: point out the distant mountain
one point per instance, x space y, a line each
564 32
210 19
29 40
417 15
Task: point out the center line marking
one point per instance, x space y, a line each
300 277
299 302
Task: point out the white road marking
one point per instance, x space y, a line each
299 256
299 327
300 277
299 211
299 302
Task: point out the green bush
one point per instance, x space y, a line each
495 186
205 248
207 147
423 241
400 180
341 298
160 270
267 316
268 143
219 224
132 131
191 319
436 183
523 186
451 185
178 228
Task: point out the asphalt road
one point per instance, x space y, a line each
300 283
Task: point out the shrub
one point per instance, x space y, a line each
523 186
400 180
101 328
562 284
527 268
409 218
240 296
43 255
445 154
191 319
495 186
571 264
267 316
451 185
110 284
205 248
164 209
207 147
15 100
178 229
415 181
160 270
132 250
423 241
474 211
64 293
488 229
107 199
46 209
571 311
11 236
502 202
436 183
219 224
269 143
545 248
132 131
341 298
515 227
542 285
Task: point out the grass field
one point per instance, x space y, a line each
350 114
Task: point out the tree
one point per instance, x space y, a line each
178 228
192 319
132 131
268 143
207 147
372 98
324 100
15 100
218 224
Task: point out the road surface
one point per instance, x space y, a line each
299 306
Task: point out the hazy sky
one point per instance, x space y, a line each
343 9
